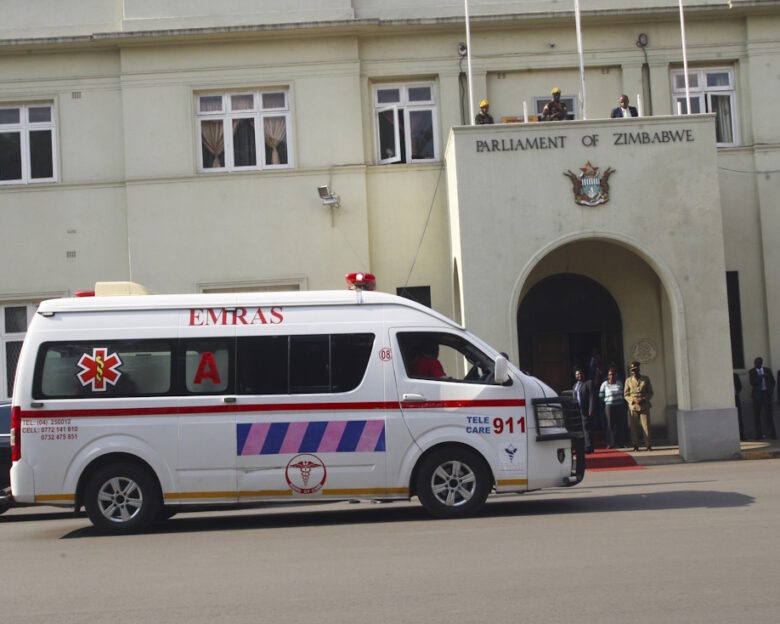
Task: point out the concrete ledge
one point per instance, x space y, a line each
665 453
706 435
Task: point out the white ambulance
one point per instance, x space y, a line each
136 406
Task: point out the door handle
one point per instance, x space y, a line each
229 399
413 398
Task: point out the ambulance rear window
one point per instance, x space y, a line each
103 369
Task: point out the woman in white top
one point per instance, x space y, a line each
611 392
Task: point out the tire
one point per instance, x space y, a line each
122 498
453 483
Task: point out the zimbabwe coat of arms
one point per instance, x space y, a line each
591 188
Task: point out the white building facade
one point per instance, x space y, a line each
181 145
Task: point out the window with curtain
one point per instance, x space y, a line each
406 125
246 130
27 143
14 320
712 90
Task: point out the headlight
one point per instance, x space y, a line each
550 417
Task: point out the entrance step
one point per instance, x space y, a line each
610 459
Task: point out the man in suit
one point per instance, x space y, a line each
583 393
762 382
624 110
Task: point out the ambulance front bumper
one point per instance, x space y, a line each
558 418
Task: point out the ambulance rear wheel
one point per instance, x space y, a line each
121 498
453 483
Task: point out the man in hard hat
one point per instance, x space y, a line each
555 110
483 116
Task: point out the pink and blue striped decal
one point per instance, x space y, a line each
327 436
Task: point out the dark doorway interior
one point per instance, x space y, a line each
564 321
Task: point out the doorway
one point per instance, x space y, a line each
566 321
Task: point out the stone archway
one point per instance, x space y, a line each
562 322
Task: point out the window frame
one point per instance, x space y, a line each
112 345
410 338
703 94
293 346
11 337
25 127
258 113
571 111
401 115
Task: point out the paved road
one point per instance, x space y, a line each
679 543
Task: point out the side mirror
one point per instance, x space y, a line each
501 370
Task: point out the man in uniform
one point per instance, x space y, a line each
555 110
638 391
483 116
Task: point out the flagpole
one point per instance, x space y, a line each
579 49
468 59
685 61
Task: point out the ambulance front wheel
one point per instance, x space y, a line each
122 498
453 482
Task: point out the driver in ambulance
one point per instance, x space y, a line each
427 364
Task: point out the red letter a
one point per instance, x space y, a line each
207 369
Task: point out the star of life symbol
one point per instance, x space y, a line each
590 187
99 369
305 473
510 451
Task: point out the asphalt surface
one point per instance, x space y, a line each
672 543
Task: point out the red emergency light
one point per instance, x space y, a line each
84 293
360 281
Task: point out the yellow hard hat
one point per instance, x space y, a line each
484 103
556 90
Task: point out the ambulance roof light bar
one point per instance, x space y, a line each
359 282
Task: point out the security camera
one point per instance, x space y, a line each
328 197
462 49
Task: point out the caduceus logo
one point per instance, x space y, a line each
99 369
305 473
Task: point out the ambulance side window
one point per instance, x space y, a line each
103 369
309 364
349 355
262 365
302 364
206 365
444 357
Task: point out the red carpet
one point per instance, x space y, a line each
610 459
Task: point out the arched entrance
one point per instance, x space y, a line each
562 322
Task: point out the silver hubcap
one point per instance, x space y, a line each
120 499
453 483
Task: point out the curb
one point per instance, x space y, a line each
760 454
671 454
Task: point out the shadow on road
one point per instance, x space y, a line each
380 514
685 499
35 516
